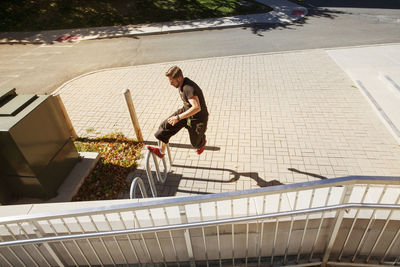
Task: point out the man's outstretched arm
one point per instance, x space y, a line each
195 108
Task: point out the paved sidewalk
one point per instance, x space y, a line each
274 118
283 12
378 77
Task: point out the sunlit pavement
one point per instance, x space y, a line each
275 118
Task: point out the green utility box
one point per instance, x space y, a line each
36 149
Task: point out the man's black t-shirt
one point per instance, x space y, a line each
188 90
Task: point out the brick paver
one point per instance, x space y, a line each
274 118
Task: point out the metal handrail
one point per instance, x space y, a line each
198 199
160 177
135 183
338 204
190 225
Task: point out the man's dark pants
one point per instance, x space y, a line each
196 130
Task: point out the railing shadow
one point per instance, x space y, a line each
308 173
172 184
187 146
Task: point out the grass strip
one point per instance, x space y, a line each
34 15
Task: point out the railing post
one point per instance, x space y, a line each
132 112
186 235
338 222
150 176
161 178
169 157
40 233
137 182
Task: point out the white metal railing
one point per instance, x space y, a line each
349 221
160 177
137 183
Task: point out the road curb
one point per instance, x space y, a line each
284 12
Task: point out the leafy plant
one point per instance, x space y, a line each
118 157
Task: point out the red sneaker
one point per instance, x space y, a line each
201 149
156 151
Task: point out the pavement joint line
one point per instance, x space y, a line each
10 75
17 68
384 117
358 46
392 83
55 46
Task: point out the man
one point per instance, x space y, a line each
193 115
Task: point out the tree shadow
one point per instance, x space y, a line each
87 18
293 23
199 18
52 37
387 4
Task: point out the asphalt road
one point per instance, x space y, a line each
43 68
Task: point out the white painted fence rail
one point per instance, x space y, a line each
348 221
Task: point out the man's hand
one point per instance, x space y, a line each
173 120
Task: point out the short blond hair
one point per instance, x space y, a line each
174 72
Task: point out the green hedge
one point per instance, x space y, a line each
31 15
